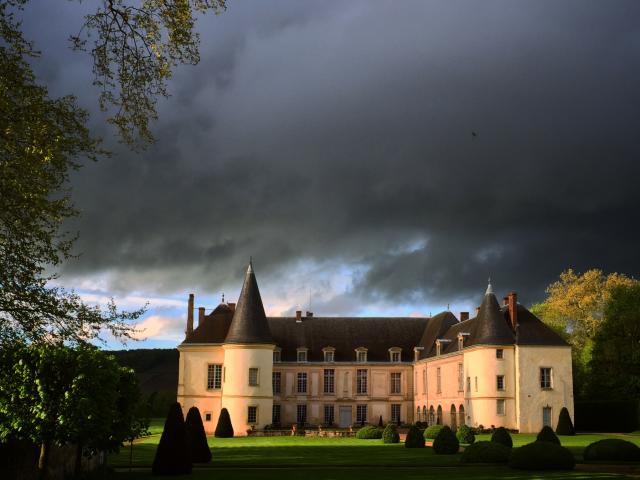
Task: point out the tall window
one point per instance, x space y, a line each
214 376
500 382
468 384
329 380
424 381
361 414
276 356
253 377
460 377
475 379
329 414
438 381
252 414
500 406
275 414
546 416
302 382
499 353
545 378
361 378
301 414
361 356
276 382
418 418
395 383
395 413
302 355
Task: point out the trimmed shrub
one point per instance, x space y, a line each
465 434
414 438
486 452
380 424
565 425
390 434
224 429
200 452
432 432
446 442
547 435
612 449
502 436
369 432
172 455
542 456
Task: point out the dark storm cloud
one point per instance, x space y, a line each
343 131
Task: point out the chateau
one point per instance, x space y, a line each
503 367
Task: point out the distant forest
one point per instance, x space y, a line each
157 371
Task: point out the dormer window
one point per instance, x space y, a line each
329 354
361 355
416 353
461 338
302 355
395 355
439 345
277 355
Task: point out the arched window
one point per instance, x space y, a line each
418 414
454 419
439 419
461 418
424 414
432 416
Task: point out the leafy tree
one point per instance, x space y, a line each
173 456
615 364
200 452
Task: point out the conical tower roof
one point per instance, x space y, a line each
490 325
249 324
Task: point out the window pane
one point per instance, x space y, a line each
500 407
395 383
301 414
395 413
329 412
361 414
214 376
302 382
275 415
499 353
329 381
252 415
500 382
302 356
362 381
253 377
277 382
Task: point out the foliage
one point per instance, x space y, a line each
200 452
607 415
414 438
565 425
486 452
542 456
446 442
369 432
51 394
547 435
465 434
614 449
173 456
432 432
390 434
502 436
224 429
615 363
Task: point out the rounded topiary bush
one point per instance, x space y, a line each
565 425
369 432
612 449
465 434
486 452
173 455
224 429
542 456
547 435
390 434
446 442
502 436
432 432
200 452
414 438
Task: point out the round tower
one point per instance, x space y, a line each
248 361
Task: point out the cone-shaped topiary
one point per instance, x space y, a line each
390 434
542 456
380 422
446 442
224 429
565 425
414 438
200 452
547 435
465 434
501 435
172 455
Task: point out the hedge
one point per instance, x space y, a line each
502 436
390 434
414 438
486 452
542 456
465 434
614 449
369 432
565 425
200 452
548 435
172 455
446 442
224 429
432 432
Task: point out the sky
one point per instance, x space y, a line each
372 157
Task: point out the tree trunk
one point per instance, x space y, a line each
78 466
43 460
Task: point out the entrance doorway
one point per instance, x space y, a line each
345 417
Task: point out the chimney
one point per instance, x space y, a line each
477 310
505 301
464 316
200 315
232 306
298 316
309 314
512 302
190 315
